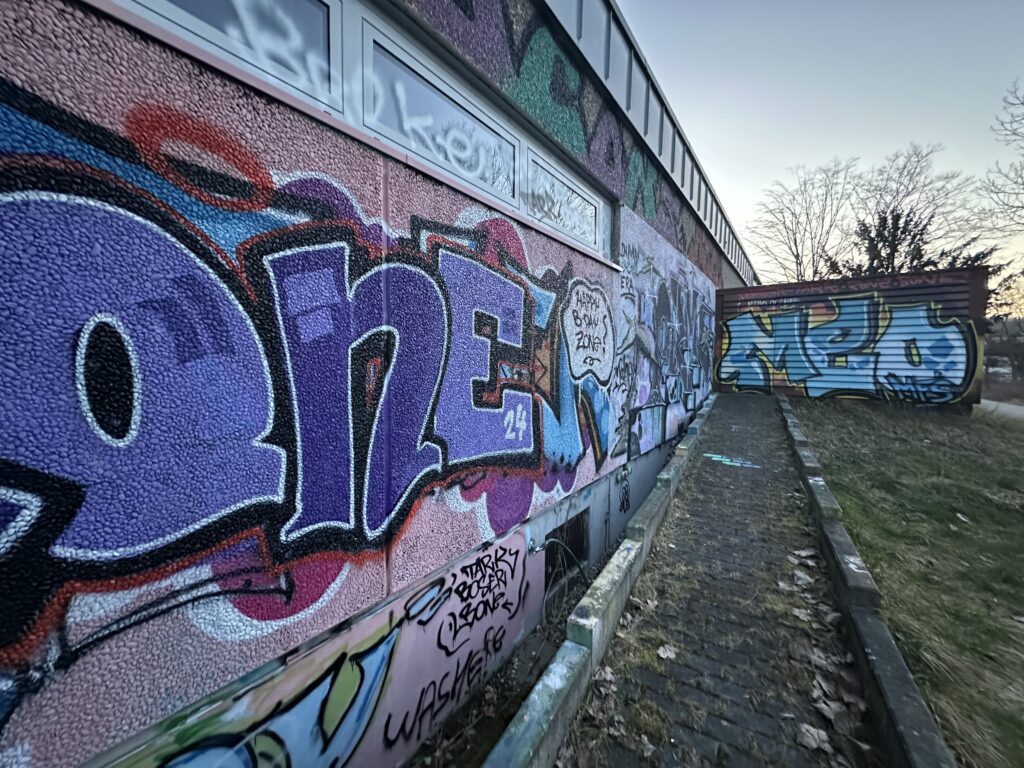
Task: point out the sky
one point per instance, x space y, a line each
760 86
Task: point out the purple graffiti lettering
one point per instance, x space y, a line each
138 377
352 350
471 430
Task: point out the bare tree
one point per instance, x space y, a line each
1004 184
1007 311
814 226
906 181
801 223
898 241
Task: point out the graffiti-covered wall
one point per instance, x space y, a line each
280 416
514 45
663 356
915 338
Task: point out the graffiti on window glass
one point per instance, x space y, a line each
288 38
422 118
555 202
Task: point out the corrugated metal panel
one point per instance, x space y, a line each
916 338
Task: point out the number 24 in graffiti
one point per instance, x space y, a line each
515 423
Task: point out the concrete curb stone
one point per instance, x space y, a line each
909 732
592 623
686 446
797 437
823 503
646 521
538 729
536 733
855 586
807 461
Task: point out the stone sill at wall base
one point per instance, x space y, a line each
911 736
536 733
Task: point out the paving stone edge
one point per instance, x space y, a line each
542 722
909 732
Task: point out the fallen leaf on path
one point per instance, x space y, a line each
643 605
645 746
818 659
829 709
865 748
813 738
851 680
786 586
618 727
827 690
805 552
667 651
802 613
853 700
802 578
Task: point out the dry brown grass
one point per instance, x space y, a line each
935 503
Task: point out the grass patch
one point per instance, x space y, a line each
648 719
952 589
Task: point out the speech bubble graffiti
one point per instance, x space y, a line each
589 337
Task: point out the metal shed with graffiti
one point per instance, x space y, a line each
914 338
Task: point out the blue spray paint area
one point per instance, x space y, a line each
729 461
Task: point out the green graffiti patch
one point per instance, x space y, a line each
547 87
641 177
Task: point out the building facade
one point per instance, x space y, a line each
323 318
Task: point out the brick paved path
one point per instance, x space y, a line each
728 644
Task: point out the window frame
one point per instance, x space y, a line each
214 41
372 36
353 28
533 155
